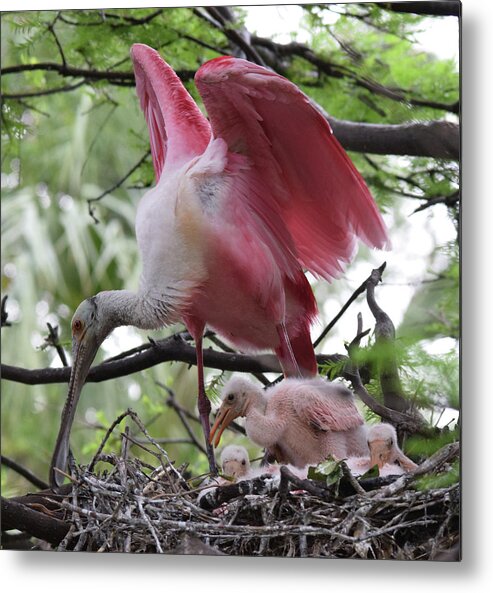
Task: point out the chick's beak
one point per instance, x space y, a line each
224 417
378 454
234 469
84 350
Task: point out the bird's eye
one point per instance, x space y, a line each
77 326
391 442
231 397
243 462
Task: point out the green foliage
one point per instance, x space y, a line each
425 447
330 471
443 479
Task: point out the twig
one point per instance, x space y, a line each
51 29
24 472
52 340
120 182
432 464
360 290
4 312
180 413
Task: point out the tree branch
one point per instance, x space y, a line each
24 472
444 8
335 70
16 515
172 349
118 184
435 139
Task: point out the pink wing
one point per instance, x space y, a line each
326 407
177 129
306 176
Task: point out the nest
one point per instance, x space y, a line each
133 507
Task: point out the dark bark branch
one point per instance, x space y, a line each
435 139
385 337
16 515
401 420
339 71
170 349
127 20
410 423
224 20
5 315
24 472
30 94
449 201
65 70
444 8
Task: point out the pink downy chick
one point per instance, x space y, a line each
384 453
300 421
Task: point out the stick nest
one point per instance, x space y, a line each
133 507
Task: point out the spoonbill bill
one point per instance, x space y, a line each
244 201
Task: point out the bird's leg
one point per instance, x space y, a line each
285 353
204 405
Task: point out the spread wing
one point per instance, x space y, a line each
177 129
302 174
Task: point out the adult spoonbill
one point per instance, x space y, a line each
300 421
384 452
243 203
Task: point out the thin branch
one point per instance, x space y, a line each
118 184
339 71
65 70
29 94
4 312
449 201
24 472
128 20
51 29
360 290
52 340
171 402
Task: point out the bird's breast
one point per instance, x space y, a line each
171 242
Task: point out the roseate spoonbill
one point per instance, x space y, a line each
235 464
384 452
243 203
235 461
300 421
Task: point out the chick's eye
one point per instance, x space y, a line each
243 462
231 397
391 442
